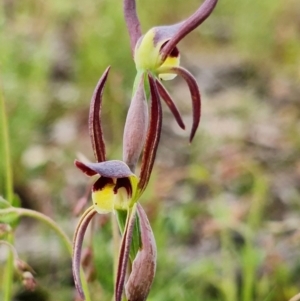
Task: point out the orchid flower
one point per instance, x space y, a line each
156 52
118 189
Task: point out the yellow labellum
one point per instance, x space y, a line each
171 61
103 200
121 199
106 200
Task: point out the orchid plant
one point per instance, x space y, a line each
117 188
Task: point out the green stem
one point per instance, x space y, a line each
49 222
6 159
6 151
11 247
228 282
250 253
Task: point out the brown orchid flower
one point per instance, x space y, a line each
118 189
156 52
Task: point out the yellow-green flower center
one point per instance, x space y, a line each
114 194
147 56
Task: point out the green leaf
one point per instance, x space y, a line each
136 236
16 201
4 203
9 217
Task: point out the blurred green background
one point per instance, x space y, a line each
225 209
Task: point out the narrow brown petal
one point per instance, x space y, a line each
124 253
84 168
144 265
153 136
132 22
136 125
170 103
95 128
195 94
77 246
189 25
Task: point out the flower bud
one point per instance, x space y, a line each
144 265
22 266
28 281
4 229
135 127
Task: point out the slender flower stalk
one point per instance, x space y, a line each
9 193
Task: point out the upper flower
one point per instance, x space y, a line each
156 52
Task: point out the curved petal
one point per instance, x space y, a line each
153 136
109 169
170 103
144 264
95 128
189 25
195 94
132 22
124 253
77 246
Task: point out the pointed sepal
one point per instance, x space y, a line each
153 136
132 22
95 128
185 27
194 91
170 103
